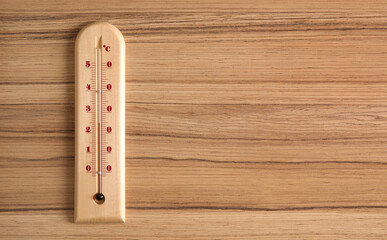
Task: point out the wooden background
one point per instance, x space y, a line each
244 119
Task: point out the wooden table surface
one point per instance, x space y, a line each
244 119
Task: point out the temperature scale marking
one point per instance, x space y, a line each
100 124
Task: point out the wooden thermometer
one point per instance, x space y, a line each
100 124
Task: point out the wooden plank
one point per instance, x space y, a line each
159 26
219 94
270 153
282 133
320 224
237 122
27 120
168 5
214 73
163 182
353 58
211 93
240 114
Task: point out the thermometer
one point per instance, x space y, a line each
99 124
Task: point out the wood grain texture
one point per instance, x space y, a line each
244 119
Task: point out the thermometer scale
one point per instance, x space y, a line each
99 124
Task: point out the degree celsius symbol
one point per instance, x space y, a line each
107 48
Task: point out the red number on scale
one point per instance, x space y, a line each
88 148
109 168
109 149
109 87
88 108
88 168
87 129
109 129
109 64
87 64
109 108
88 86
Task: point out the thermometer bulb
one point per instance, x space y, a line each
99 198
